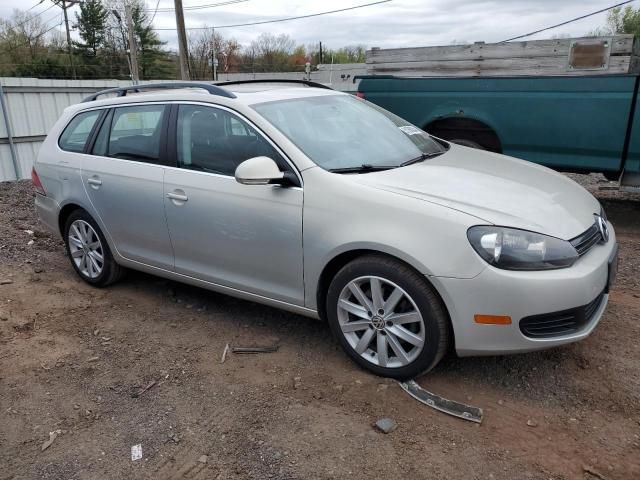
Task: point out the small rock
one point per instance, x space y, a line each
30 242
4 318
93 359
6 281
532 423
297 381
203 459
386 425
500 402
96 332
29 232
173 325
76 407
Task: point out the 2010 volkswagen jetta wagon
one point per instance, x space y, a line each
321 203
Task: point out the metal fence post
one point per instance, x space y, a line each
12 148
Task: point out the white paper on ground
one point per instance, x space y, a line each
136 452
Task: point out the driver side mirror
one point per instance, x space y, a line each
262 171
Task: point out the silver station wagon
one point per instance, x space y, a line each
318 202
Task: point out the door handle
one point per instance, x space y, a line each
177 197
94 181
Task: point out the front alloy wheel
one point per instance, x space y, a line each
387 317
381 322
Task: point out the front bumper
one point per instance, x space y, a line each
521 294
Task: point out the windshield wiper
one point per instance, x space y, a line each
422 158
364 168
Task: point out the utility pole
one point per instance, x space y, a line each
214 54
183 51
133 47
124 41
65 4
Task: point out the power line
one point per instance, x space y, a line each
34 6
154 13
282 19
33 16
567 22
200 7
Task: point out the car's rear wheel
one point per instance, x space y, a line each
387 317
88 250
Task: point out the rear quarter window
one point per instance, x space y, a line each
75 135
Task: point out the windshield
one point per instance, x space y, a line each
341 132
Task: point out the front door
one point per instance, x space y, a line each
247 237
123 177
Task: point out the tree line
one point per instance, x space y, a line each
31 46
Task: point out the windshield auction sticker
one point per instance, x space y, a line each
411 130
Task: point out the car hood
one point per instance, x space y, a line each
496 189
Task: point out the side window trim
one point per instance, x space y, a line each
172 138
88 147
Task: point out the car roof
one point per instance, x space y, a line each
247 94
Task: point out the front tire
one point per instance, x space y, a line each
387 317
88 250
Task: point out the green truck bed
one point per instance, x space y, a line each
584 124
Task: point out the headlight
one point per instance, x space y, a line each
513 249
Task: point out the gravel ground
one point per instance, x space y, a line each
75 361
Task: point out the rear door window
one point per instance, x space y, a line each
74 137
134 133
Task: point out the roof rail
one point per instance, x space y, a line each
122 91
308 83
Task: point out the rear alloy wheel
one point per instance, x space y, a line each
88 250
387 318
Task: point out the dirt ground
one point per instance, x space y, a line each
75 359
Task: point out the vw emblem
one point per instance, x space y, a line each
602 227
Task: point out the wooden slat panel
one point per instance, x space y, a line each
621 45
495 67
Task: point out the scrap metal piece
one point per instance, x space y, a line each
460 410
254 349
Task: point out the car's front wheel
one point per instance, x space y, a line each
88 250
387 317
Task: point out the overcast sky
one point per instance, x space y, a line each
398 23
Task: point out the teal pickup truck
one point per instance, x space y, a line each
579 124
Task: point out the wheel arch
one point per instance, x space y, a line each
64 214
334 265
451 127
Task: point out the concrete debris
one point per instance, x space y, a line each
386 425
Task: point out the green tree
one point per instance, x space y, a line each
92 26
153 60
625 20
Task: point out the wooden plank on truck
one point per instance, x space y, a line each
567 56
498 67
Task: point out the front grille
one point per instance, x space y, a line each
583 242
557 324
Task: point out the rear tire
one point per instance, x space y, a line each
89 252
387 317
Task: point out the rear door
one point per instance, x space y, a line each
123 177
247 237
